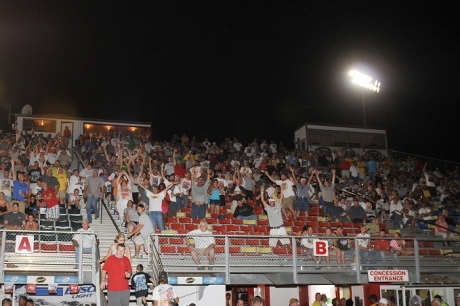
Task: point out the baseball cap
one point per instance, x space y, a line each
163 275
383 301
292 301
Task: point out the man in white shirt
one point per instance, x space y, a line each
202 245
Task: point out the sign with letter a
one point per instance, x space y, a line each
320 247
24 244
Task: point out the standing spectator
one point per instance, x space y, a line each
48 195
441 229
203 244
115 274
139 283
327 191
302 191
61 176
317 301
21 190
396 208
119 239
164 291
142 230
85 242
286 185
199 195
74 183
155 202
275 220
93 191
372 166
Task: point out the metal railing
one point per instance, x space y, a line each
243 254
49 251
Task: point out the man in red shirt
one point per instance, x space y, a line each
52 203
115 275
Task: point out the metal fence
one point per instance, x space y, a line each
292 254
50 251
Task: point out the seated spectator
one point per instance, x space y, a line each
244 211
201 244
449 220
84 241
398 246
356 213
336 213
306 243
442 229
31 224
14 219
382 246
73 202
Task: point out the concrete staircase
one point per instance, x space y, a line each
106 232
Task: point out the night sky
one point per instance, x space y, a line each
238 68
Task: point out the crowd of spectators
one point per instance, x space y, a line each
206 175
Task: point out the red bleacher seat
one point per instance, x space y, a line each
168 249
232 228
183 249
190 226
176 226
262 222
176 240
218 227
172 220
237 241
246 228
260 229
236 221
219 249
225 221
184 220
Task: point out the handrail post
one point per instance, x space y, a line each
357 261
294 261
417 262
227 260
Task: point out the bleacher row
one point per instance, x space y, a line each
224 223
52 236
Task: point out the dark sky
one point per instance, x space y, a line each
238 68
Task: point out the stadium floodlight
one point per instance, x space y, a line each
364 81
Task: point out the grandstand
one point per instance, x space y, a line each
244 256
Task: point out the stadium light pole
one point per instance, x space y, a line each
365 81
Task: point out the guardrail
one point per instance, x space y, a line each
51 252
237 254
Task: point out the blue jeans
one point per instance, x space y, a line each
326 206
396 219
251 217
383 258
91 208
77 253
302 203
365 254
157 219
198 211
184 201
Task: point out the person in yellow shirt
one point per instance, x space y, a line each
63 184
317 301
362 168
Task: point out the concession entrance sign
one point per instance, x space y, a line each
388 275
